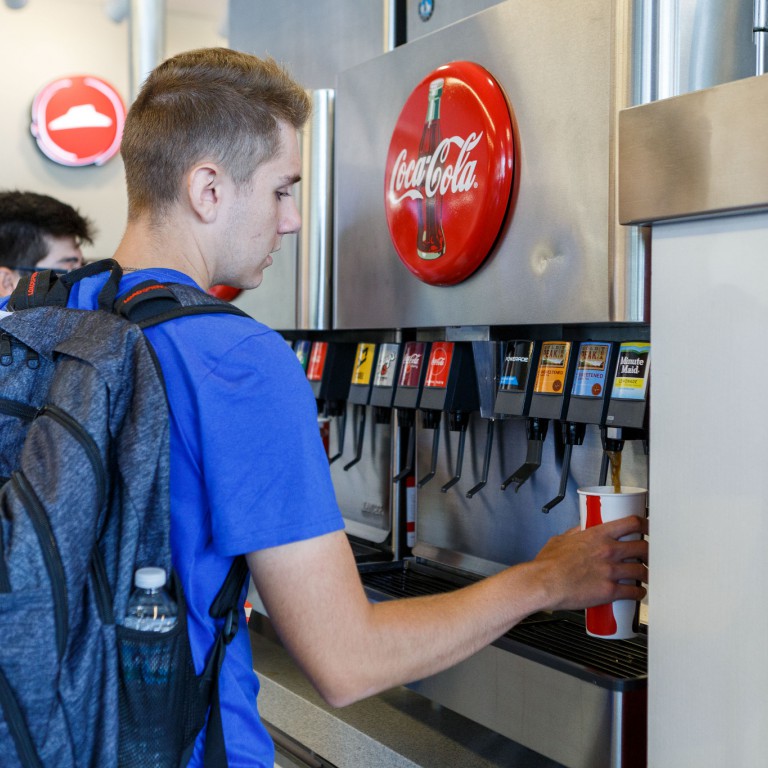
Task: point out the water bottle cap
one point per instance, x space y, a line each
149 578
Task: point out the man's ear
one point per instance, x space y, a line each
8 280
204 190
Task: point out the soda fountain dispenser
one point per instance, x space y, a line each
627 414
521 358
413 368
450 386
360 394
595 363
328 370
487 356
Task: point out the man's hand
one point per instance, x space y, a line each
580 569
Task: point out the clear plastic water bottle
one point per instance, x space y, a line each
150 607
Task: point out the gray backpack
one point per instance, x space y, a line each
84 502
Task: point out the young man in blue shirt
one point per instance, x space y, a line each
211 158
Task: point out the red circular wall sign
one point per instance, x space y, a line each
78 120
449 174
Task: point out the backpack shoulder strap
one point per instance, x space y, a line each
151 303
47 288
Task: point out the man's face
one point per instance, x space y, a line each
262 212
63 253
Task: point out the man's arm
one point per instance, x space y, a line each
351 648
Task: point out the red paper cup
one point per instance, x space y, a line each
600 504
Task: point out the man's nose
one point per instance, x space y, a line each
291 220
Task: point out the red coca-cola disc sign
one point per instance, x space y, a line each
78 120
450 171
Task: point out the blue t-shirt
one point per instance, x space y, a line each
248 471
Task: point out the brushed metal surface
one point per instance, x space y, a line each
553 261
315 253
695 154
496 528
313 40
445 12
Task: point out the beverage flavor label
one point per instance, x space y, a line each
413 360
302 350
439 367
385 366
363 369
517 366
591 370
632 371
553 365
317 357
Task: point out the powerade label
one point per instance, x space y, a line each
517 366
317 360
302 348
631 382
385 366
553 364
439 365
363 369
591 370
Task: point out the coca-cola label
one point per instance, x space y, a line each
413 361
317 360
439 365
450 173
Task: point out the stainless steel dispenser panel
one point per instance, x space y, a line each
695 154
313 284
313 40
554 260
444 12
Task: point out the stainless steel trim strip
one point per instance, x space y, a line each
315 252
703 153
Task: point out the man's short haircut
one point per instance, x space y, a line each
207 104
26 217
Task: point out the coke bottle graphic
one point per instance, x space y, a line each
431 240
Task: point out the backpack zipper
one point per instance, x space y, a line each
15 408
22 740
86 441
51 556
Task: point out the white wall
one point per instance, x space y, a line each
708 666
53 38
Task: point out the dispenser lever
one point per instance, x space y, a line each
341 426
459 460
573 434
486 460
563 481
537 432
408 469
359 409
433 468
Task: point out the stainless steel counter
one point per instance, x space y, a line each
397 729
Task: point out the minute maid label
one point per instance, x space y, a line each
631 382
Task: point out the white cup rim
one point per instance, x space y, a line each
607 490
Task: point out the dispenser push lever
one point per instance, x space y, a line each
360 412
486 460
408 469
341 427
573 434
537 432
433 467
459 456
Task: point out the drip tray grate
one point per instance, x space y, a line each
558 640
